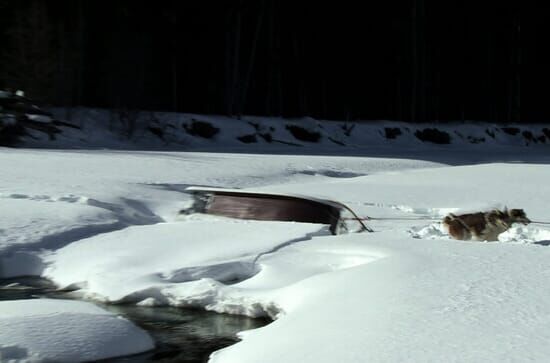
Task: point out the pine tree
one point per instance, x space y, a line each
28 61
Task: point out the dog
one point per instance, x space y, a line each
483 226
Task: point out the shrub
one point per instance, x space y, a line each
128 120
348 129
302 134
259 132
513 131
10 134
528 135
255 125
392 132
476 140
201 129
433 135
65 124
337 142
157 131
248 139
267 137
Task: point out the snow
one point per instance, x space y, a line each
101 128
106 222
65 331
152 257
423 302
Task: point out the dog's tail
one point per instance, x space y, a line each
449 218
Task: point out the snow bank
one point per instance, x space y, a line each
150 261
176 131
65 331
32 223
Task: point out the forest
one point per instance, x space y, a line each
414 60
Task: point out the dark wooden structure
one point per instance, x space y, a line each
270 207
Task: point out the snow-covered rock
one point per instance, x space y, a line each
52 330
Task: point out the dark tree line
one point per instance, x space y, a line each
415 60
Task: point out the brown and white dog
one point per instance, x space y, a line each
483 226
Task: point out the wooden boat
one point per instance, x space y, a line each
241 204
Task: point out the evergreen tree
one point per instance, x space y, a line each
29 61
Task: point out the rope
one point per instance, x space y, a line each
413 219
364 227
393 219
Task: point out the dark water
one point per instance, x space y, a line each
181 335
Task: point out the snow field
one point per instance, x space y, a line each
403 293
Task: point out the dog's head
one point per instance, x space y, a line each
518 216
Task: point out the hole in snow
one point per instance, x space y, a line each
432 231
328 173
526 234
227 273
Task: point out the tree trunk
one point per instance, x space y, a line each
81 50
228 69
175 99
517 70
246 84
418 96
235 94
270 62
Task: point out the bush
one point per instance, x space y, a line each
201 129
267 137
255 125
337 142
476 140
348 129
65 124
392 132
248 139
157 131
251 138
513 131
10 133
528 135
302 134
128 120
433 135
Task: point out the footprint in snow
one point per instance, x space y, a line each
432 231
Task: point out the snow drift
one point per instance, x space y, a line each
65 331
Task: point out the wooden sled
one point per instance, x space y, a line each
235 203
